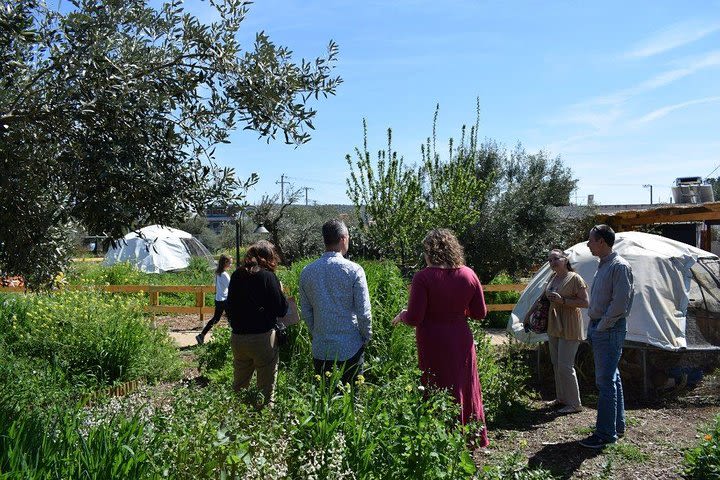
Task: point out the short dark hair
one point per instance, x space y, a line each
606 233
333 230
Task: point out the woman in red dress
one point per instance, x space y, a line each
442 296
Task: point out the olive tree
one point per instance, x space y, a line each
519 222
110 111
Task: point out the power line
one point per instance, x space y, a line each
706 176
313 180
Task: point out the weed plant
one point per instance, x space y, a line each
703 461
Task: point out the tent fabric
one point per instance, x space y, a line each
666 279
157 249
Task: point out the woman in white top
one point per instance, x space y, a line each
222 280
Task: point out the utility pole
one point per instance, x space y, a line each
282 189
306 196
650 187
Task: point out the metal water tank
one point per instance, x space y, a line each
692 190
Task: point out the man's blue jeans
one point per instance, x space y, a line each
607 348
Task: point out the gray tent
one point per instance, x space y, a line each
677 292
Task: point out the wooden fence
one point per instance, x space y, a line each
201 309
503 307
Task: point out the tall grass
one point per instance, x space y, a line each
62 449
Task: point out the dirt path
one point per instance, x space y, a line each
657 437
184 328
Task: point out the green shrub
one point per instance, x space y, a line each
504 376
89 334
60 346
215 353
703 461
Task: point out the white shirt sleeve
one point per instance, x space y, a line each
222 282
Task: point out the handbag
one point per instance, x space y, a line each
281 334
292 316
536 320
282 323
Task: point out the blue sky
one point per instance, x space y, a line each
627 93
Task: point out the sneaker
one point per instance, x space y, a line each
570 409
594 442
554 404
200 338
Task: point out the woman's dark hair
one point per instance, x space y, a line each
442 248
223 263
261 254
568 265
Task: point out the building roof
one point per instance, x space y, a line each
664 213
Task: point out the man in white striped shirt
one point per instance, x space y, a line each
335 305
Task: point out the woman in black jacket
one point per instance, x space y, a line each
255 300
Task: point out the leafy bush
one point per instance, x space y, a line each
88 334
60 346
703 461
504 376
372 437
215 356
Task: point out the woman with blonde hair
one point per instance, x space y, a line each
567 292
442 296
255 301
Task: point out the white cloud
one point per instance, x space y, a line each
661 112
672 37
686 67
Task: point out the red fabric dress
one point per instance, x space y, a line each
441 299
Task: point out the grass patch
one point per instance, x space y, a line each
584 430
626 452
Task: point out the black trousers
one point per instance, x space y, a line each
351 368
219 309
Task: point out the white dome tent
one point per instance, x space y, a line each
677 292
157 249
